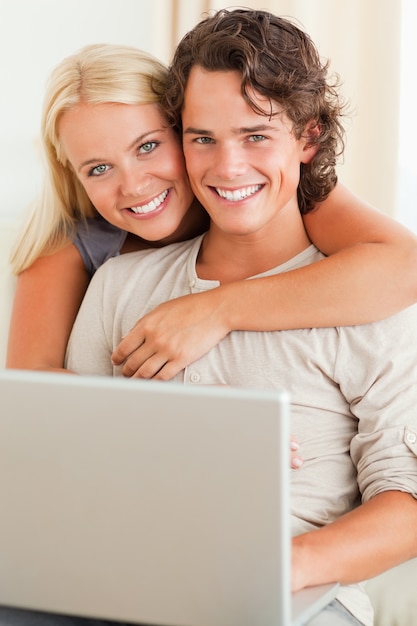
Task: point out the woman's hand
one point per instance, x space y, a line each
173 335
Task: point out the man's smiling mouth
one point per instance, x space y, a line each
238 194
150 206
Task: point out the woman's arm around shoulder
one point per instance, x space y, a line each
47 298
370 273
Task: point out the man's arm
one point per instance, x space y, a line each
89 347
376 536
376 371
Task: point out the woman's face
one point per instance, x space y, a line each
131 165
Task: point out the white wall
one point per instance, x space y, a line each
407 212
34 36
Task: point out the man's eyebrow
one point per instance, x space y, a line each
256 129
191 130
244 130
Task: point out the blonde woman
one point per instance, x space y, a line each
76 224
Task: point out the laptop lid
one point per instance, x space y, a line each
145 501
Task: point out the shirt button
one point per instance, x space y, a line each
195 377
411 437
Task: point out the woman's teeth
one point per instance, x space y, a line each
152 205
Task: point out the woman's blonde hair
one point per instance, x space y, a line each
97 74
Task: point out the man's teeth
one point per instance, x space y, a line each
152 205
238 194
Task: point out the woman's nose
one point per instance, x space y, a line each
133 181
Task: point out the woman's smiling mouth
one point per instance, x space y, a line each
150 206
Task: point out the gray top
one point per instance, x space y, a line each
97 241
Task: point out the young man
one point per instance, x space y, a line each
261 131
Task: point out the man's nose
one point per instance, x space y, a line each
230 161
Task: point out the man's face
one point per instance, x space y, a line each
243 167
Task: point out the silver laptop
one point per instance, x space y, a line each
147 502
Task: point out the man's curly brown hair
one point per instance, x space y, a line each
279 61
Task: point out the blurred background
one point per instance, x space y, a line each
371 44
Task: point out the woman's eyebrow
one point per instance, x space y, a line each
144 135
137 140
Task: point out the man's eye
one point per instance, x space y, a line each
98 170
149 146
204 140
256 138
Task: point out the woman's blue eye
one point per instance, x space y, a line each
147 147
98 170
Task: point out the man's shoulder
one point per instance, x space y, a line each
404 319
152 257
399 331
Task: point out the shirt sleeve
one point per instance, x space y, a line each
377 371
97 241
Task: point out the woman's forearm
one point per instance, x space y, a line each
356 285
46 302
360 284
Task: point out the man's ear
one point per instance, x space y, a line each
311 133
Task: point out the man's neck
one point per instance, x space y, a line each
228 258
